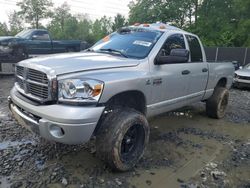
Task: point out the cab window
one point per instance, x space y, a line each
175 41
195 49
42 35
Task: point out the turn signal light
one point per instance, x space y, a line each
137 24
162 27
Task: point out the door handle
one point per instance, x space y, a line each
185 72
204 70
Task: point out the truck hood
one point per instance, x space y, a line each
4 38
76 62
243 72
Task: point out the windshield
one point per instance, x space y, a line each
129 42
24 34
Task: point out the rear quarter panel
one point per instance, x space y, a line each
217 71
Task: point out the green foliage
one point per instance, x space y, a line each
218 23
33 11
175 11
61 15
66 26
119 21
101 27
3 29
15 23
242 22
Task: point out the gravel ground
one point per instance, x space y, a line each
186 149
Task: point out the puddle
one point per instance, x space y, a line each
5 182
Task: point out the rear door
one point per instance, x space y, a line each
198 68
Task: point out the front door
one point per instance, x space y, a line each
169 81
39 43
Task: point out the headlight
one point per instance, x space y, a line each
79 90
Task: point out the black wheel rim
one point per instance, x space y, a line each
132 143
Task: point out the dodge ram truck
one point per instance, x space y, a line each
34 41
110 90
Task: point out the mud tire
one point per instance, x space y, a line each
111 138
217 103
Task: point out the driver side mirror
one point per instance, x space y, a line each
176 56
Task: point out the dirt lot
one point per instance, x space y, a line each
186 149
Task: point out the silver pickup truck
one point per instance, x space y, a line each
109 90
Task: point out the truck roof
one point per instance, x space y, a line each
35 30
163 27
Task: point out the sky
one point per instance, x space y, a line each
94 8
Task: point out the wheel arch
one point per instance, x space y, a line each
134 99
222 82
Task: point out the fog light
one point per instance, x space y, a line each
56 131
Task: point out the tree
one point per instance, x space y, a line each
33 11
84 28
242 23
3 29
101 27
148 11
214 23
15 23
119 22
61 14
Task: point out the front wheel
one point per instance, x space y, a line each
216 105
122 138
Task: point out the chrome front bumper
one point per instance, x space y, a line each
241 83
56 122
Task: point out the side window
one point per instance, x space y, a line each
195 49
175 41
42 35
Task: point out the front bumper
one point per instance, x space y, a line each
57 122
241 83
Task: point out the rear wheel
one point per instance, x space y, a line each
122 138
216 105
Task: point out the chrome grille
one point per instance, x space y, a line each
20 71
244 77
39 91
33 83
20 82
37 76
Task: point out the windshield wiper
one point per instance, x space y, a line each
89 50
114 51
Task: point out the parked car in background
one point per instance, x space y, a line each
110 90
34 41
242 77
236 65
